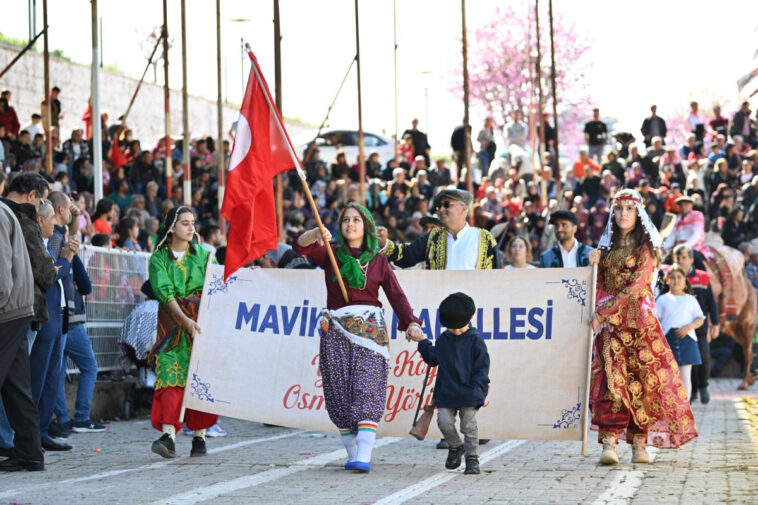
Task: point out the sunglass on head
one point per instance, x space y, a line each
447 204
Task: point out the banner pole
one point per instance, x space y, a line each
588 378
300 172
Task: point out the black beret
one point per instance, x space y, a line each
456 311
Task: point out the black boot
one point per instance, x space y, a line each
18 464
472 465
454 455
164 446
442 444
198 447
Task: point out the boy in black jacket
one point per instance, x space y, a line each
462 378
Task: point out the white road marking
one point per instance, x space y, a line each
214 491
440 478
152 466
625 485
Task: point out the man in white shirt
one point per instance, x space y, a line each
569 252
454 246
35 126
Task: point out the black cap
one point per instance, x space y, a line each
456 311
565 215
425 220
455 194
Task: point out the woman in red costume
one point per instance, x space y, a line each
637 392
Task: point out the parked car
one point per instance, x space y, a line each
347 141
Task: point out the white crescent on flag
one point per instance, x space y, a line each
242 141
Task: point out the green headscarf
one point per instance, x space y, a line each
351 266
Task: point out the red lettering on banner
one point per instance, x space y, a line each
318 384
295 398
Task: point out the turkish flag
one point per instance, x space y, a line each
261 150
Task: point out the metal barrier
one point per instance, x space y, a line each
117 277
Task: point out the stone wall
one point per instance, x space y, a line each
27 82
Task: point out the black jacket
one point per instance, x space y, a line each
647 125
43 270
464 365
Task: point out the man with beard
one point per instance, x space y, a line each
569 252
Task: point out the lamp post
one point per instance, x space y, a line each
242 54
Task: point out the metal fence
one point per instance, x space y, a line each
117 277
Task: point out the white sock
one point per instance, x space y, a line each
686 370
169 428
365 440
199 433
348 439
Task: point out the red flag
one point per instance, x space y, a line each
261 150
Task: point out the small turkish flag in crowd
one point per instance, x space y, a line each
261 150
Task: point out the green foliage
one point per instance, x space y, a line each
13 42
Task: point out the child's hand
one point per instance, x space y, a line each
414 333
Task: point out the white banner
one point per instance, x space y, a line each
257 356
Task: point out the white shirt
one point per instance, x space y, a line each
33 129
511 267
209 247
463 251
179 254
569 257
675 311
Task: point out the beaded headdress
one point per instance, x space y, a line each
631 195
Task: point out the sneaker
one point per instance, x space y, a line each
472 465
198 447
187 431
609 455
639 450
442 444
705 396
454 455
88 426
164 446
215 431
60 430
361 466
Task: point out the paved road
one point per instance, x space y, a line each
258 464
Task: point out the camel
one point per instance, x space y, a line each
740 326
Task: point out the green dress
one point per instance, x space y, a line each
181 281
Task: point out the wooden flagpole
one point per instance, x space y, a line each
300 172
586 405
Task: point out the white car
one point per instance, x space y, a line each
347 140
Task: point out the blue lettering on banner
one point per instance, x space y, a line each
496 333
534 323
244 314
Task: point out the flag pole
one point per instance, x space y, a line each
220 159
300 172
559 190
278 98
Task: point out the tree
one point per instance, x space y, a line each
502 71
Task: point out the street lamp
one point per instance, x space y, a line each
242 55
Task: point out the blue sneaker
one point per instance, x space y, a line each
187 431
215 431
350 465
361 466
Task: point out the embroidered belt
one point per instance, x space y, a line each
362 324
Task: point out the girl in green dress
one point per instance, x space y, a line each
177 273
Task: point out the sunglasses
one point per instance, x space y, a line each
447 204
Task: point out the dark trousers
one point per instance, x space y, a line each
46 360
16 389
700 373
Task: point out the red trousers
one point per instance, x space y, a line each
167 404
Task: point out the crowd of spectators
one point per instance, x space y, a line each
717 166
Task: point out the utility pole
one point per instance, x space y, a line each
167 108
220 115
557 174
97 124
278 100
361 151
466 122
47 111
187 176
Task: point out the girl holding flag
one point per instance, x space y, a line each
177 273
637 392
354 341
